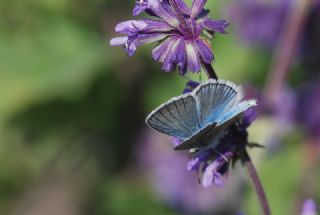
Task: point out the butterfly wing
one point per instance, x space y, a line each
205 134
216 129
188 116
235 110
196 140
214 98
177 117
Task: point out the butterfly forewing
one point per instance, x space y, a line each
213 99
177 118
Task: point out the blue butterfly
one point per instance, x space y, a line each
199 118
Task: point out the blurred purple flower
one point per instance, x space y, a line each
182 33
311 43
259 22
309 207
249 116
168 176
308 113
285 106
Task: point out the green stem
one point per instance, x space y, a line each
258 187
210 71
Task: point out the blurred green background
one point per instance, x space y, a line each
72 110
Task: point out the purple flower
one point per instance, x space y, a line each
166 172
249 116
182 33
309 207
190 86
259 22
212 163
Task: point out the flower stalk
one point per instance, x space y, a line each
209 71
258 186
285 51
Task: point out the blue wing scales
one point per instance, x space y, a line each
236 110
176 118
213 99
224 121
196 114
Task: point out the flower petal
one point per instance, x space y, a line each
150 38
141 39
202 156
182 58
118 41
138 8
183 7
249 116
160 52
170 61
217 180
192 57
193 164
156 26
204 51
215 25
142 5
197 7
209 174
165 12
131 27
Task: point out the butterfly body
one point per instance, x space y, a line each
200 118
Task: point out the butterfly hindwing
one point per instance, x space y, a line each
196 140
207 133
235 110
176 118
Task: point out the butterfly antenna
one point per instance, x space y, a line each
222 155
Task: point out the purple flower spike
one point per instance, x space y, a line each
182 33
309 207
249 15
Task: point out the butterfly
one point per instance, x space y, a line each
199 118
